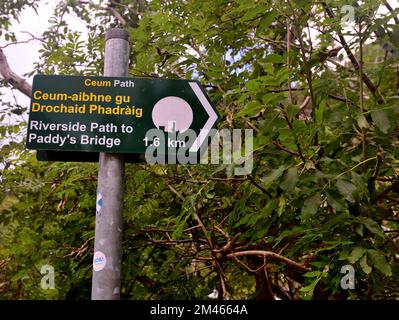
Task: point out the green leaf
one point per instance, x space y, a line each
267 67
180 224
252 13
346 189
335 201
281 205
372 225
18 111
311 205
363 263
251 108
268 208
359 229
381 119
291 178
301 3
308 290
286 137
274 58
266 21
319 112
283 74
343 255
312 274
210 195
157 169
253 85
362 122
292 111
337 219
274 175
378 260
356 254
267 98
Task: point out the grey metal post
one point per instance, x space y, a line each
108 233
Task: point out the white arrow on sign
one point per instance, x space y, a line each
209 123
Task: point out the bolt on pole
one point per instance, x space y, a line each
109 205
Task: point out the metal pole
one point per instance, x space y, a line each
108 233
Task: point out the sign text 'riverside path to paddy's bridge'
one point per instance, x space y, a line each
112 114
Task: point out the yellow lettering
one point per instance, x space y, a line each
92 108
35 106
37 94
97 83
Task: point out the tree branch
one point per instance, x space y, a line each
367 81
18 42
116 15
393 187
390 9
12 78
208 240
285 149
250 178
271 255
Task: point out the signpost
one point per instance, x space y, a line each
107 259
114 115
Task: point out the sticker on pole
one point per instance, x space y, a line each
99 261
99 203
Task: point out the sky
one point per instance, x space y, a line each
21 57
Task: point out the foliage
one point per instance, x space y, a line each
323 191
10 10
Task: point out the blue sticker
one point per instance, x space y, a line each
99 203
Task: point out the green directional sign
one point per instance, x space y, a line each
113 114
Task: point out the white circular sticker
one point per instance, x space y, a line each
173 114
99 261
